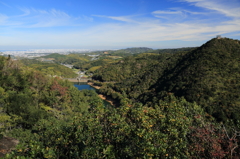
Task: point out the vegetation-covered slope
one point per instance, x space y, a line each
68 59
27 95
172 51
208 75
94 63
130 67
107 57
52 119
133 50
52 69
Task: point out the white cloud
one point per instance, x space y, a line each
121 33
230 8
36 18
188 28
170 24
174 15
118 18
43 18
191 25
176 11
5 4
179 14
166 12
145 30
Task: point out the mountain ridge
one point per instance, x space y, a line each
207 75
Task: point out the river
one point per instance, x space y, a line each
83 85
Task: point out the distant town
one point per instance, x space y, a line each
42 52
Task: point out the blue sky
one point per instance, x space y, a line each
115 24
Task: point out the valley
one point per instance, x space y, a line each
165 103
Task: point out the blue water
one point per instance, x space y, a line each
83 85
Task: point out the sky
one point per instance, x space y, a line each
115 24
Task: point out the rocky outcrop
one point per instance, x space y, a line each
6 145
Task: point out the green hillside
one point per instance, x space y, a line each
67 59
27 96
107 57
166 105
56 56
133 50
130 67
208 75
52 69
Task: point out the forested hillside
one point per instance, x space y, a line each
172 51
131 67
28 95
90 65
68 59
107 57
52 69
133 50
167 106
208 75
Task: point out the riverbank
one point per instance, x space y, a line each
78 80
94 86
103 97
106 99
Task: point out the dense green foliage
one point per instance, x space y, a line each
164 103
131 67
208 75
95 63
127 51
28 96
172 51
170 129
